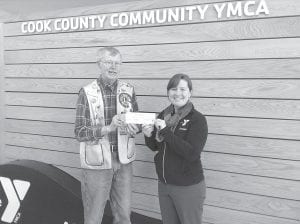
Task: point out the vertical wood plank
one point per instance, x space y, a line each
1 95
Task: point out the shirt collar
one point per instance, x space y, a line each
104 84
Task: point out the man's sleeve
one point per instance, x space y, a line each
84 131
135 107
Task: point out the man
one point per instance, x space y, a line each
106 143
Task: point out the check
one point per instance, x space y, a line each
140 118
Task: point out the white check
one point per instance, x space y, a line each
140 118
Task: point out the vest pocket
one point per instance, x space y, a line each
94 155
130 148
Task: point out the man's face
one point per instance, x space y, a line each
110 66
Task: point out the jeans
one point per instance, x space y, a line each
98 186
181 204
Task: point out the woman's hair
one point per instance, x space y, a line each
174 81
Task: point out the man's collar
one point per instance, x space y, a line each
105 84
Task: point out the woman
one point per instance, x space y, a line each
179 135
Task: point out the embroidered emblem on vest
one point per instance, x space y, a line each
125 100
94 86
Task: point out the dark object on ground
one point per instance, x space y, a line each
37 193
33 192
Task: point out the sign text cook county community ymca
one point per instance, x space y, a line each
190 13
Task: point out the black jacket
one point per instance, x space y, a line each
178 159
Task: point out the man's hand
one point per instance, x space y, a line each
117 121
132 129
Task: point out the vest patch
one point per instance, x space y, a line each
125 100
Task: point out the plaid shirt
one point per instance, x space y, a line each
84 131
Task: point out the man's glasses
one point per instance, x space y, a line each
110 63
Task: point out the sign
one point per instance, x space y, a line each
182 14
32 192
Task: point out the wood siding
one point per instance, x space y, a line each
246 77
2 97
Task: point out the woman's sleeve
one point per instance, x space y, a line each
151 142
190 148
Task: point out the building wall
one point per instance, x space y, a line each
1 96
245 74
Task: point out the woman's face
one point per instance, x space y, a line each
180 94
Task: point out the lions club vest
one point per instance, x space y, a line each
97 154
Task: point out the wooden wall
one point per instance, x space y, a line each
1 95
246 81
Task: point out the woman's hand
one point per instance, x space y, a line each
159 124
147 130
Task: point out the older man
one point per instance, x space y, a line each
107 145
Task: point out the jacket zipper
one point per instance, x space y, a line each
163 162
163 165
